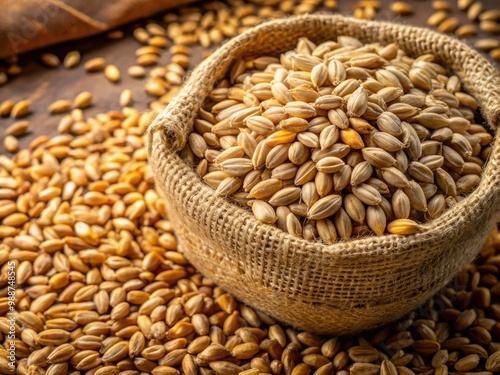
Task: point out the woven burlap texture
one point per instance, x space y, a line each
349 286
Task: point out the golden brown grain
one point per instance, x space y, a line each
60 106
400 7
466 30
72 59
436 18
50 60
83 100
11 143
20 109
94 65
17 128
449 25
112 73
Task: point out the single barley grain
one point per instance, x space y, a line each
20 109
59 106
17 128
94 65
400 7
5 107
72 59
50 60
449 25
465 31
83 100
112 73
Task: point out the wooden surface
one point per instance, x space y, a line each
43 20
43 85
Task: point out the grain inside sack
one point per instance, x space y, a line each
340 139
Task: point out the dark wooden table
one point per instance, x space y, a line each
44 85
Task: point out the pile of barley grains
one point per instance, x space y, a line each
340 139
102 290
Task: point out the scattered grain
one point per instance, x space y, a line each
60 106
18 128
402 8
96 64
72 59
83 100
20 109
112 73
50 60
11 143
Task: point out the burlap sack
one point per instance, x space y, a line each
349 286
30 24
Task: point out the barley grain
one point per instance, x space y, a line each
11 144
487 44
112 73
449 25
495 54
59 106
50 60
94 65
465 31
400 7
490 26
72 59
83 100
20 109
